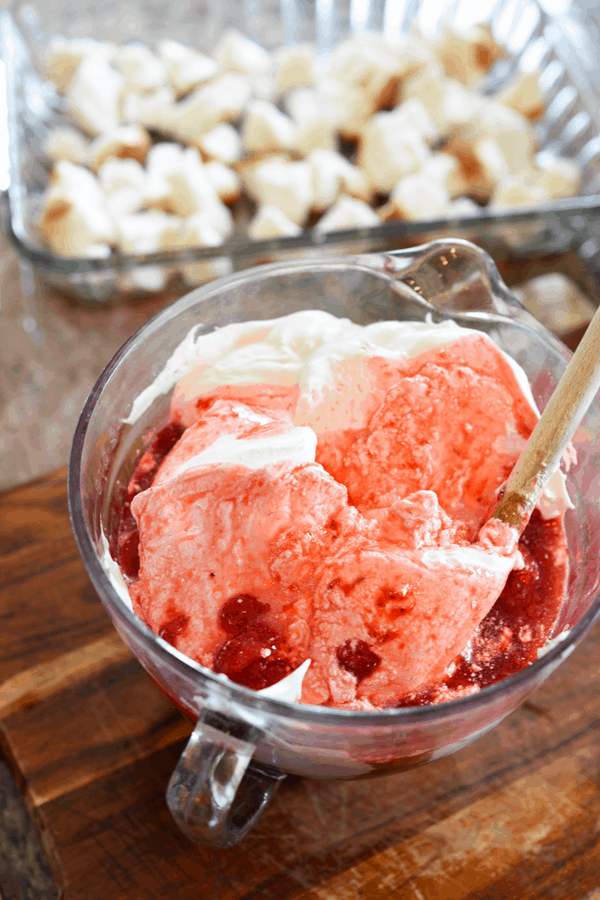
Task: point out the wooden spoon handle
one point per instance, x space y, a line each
550 438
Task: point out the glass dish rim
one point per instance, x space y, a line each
240 246
238 694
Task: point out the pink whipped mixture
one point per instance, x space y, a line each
378 561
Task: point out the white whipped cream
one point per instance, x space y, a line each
558 639
298 445
290 687
519 561
469 558
114 574
244 412
179 364
555 499
300 348
276 351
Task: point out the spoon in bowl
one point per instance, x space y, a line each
550 438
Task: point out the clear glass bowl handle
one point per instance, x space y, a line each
453 276
217 791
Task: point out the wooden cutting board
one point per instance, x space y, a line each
92 742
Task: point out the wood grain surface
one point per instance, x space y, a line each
93 742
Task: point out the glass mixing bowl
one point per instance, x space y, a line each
244 743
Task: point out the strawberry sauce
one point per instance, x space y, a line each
126 550
253 655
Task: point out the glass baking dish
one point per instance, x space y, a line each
559 47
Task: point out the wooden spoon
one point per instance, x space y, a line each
552 434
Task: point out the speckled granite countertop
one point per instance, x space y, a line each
51 352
